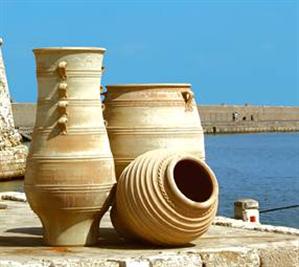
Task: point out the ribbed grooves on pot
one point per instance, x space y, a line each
160 116
91 73
149 103
74 130
71 187
84 158
147 209
155 130
72 102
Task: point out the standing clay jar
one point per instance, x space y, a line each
166 198
70 170
143 117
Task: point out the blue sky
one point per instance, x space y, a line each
232 52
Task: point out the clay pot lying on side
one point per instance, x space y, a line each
165 198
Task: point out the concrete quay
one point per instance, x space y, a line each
227 243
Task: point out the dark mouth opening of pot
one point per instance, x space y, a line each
193 180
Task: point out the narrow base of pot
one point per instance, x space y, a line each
71 230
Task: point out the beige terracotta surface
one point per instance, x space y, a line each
143 117
70 169
165 197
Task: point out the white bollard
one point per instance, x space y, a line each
247 210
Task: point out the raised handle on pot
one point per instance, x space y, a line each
62 90
62 69
62 123
188 97
62 106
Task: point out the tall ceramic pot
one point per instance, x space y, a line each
143 117
165 198
70 169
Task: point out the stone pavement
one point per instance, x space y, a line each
21 244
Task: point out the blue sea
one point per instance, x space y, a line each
262 166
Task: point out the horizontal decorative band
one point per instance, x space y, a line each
83 209
37 157
71 102
102 185
67 188
155 129
122 160
143 103
73 130
156 133
77 209
53 71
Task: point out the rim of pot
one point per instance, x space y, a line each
177 192
147 85
68 48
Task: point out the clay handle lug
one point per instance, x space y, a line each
103 107
62 124
62 90
188 98
62 69
62 105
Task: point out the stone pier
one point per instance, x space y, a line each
228 242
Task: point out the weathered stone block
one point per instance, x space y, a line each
176 260
283 256
231 257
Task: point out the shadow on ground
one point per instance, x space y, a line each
108 239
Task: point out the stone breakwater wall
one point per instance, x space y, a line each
248 118
215 119
24 114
